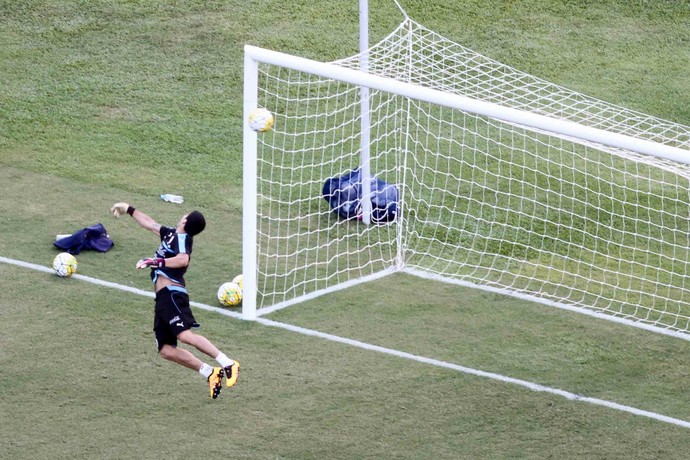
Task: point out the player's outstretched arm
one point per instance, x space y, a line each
142 219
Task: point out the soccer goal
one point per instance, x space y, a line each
505 182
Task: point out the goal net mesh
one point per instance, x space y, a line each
482 201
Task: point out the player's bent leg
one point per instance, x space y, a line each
187 359
199 342
180 356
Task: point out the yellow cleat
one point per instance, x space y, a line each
231 374
215 382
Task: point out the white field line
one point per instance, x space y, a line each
400 354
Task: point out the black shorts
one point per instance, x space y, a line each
172 315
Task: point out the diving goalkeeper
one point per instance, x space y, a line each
173 317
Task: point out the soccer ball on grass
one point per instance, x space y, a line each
65 264
260 120
229 294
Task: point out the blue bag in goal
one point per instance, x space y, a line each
344 195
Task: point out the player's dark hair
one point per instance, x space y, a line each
195 223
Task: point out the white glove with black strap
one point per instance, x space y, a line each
120 208
151 262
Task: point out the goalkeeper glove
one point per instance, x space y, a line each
151 262
120 208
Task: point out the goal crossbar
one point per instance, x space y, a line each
456 101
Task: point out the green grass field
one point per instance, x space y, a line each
124 100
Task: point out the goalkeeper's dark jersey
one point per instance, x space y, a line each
172 244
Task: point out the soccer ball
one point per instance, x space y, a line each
260 120
240 281
65 264
230 294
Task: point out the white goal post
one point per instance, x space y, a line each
506 182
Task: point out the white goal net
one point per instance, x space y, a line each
505 182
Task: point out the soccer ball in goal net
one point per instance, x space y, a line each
504 182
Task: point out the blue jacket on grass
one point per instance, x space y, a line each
94 237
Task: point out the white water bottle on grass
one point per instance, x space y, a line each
172 198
